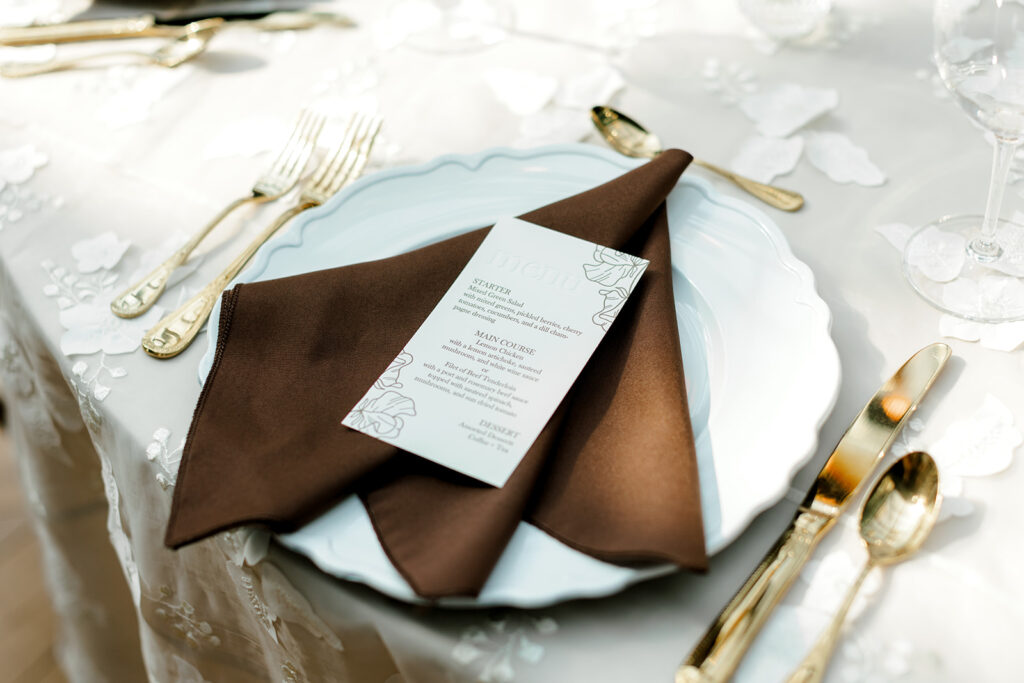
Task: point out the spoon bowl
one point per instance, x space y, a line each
901 510
625 135
897 516
628 137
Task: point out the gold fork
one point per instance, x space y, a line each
277 181
174 333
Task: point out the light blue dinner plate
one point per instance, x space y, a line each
762 372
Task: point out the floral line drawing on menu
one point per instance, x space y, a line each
620 272
382 413
389 380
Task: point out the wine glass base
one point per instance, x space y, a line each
939 263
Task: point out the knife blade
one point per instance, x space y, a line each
719 652
147 27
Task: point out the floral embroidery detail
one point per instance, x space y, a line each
842 160
492 650
70 288
166 458
618 270
997 336
979 445
938 254
19 164
732 83
115 529
182 618
101 252
762 158
829 578
877 661
84 296
785 109
259 608
91 327
19 382
90 382
17 200
88 388
942 259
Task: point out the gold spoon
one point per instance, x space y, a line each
189 45
897 516
630 138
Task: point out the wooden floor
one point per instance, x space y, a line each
26 620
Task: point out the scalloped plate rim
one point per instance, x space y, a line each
805 443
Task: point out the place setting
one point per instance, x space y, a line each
463 342
466 319
497 401
181 35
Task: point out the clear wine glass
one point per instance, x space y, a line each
973 266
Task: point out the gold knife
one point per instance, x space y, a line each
147 27
719 652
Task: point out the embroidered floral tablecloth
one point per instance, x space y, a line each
104 172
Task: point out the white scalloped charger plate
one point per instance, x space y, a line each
762 372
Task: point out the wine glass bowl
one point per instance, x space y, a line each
973 266
979 52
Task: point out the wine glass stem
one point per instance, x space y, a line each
984 247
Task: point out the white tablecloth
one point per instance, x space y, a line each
102 170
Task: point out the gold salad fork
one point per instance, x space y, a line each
189 45
278 180
174 333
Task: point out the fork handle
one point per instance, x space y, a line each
786 200
175 332
16 70
141 296
99 29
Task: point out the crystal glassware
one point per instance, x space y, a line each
973 266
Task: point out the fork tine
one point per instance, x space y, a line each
301 151
291 143
356 161
331 161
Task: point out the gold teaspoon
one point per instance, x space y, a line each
185 47
898 515
630 138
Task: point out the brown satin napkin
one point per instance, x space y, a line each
613 473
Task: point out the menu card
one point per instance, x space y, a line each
477 382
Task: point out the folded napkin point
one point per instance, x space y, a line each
613 473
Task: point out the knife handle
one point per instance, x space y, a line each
719 652
82 30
